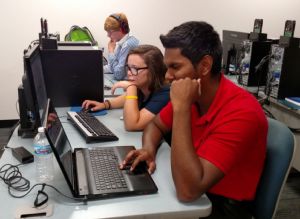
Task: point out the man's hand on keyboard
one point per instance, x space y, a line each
134 157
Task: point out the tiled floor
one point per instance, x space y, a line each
289 205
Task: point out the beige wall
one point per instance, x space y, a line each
19 22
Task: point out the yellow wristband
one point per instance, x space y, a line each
131 97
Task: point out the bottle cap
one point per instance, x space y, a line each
41 129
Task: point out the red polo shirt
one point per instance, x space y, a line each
231 135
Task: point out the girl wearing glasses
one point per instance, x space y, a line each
145 92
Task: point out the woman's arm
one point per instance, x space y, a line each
135 119
114 103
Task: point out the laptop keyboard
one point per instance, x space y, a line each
106 170
91 127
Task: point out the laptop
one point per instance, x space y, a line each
83 168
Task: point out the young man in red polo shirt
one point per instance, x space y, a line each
219 130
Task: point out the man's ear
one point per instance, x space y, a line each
205 65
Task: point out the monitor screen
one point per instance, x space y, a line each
73 74
58 140
34 73
232 49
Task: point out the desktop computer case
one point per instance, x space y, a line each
259 49
289 84
288 56
73 74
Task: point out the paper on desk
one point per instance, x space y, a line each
289 104
293 100
97 113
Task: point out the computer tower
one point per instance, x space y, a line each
284 71
254 62
27 126
73 74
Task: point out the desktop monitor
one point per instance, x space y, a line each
73 74
232 50
26 109
38 81
32 93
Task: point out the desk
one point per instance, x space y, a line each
164 204
109 81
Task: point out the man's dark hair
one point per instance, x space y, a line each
196 39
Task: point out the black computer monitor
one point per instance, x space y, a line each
34 71
27 109
73 74
32 94
232 49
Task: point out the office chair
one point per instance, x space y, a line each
280 153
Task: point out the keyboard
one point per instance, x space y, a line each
92 129
106 171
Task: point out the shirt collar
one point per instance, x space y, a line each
216 104
123 40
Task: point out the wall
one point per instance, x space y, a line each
20 24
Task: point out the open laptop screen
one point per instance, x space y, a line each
60 144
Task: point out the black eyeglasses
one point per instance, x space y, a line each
134 70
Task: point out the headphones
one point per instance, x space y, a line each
123 25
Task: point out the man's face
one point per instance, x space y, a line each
115 35
178 65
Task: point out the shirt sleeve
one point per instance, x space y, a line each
166 115
158 100
117 60
106 69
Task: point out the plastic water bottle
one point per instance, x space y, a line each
43 157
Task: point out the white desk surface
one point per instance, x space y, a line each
109 81
163 204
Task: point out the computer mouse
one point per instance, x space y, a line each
106 87
141 168
87 110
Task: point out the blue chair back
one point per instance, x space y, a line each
280 152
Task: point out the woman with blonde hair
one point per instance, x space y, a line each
117 28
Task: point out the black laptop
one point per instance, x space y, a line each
94 172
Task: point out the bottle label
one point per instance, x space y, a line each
42 149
